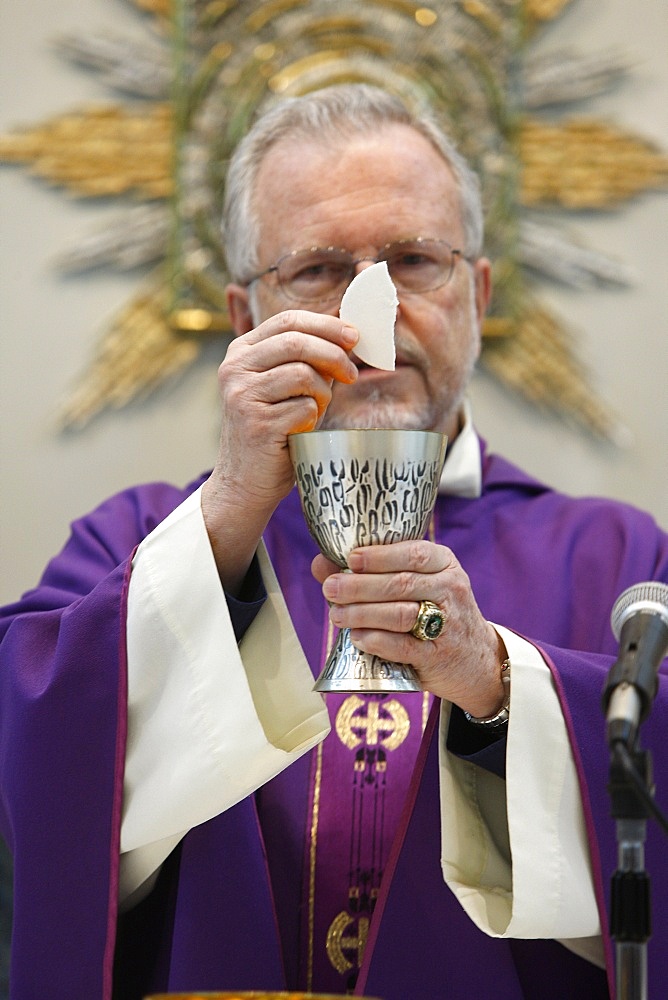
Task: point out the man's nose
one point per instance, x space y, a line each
363 262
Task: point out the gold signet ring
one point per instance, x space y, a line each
429 622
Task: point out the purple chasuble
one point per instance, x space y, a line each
226 912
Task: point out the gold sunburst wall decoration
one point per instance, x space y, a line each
205 68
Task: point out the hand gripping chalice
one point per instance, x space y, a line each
365 487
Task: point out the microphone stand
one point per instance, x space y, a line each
639 621
630 920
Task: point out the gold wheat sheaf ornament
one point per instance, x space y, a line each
205 69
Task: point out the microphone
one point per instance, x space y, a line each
639 622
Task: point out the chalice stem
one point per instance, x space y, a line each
349 669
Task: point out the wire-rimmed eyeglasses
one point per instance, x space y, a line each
321 274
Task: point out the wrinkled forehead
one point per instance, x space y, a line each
340 159
334 140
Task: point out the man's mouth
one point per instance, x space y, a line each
364 368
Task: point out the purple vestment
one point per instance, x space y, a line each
545 565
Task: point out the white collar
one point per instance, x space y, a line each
462 472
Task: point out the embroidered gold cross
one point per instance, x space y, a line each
338 941
355 727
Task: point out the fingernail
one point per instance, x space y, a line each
335 614
349 335
355 562
330 588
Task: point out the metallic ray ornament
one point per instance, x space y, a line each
185 94
366 487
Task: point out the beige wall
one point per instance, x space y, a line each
51 324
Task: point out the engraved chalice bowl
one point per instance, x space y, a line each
366 487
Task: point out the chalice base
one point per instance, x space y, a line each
349 669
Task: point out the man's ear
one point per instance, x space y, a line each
238 307
482 271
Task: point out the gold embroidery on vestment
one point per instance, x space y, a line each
339 942
390 728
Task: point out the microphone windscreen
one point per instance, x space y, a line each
651 597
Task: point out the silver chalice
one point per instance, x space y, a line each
365 487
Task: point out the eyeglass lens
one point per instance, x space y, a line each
319 275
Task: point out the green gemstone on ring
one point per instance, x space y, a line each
433 626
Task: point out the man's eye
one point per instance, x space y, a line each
319 271
312 271
409 260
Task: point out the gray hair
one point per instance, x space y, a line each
335 112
